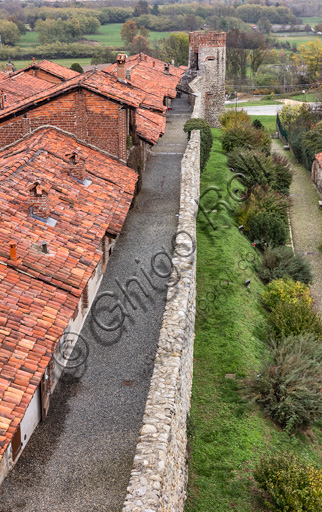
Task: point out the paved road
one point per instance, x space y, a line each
264 110
80 459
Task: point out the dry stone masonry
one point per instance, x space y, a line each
207 57
159 475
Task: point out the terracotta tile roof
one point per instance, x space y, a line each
99 82
21 86
39 292
149 125
33 316
319 158
151 79
158 64
53 69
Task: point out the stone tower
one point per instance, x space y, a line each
207 57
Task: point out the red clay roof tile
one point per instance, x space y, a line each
21 86
52 68
148 74
40 292
149 125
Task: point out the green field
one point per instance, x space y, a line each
314 20
19 64
109 35
296 39
29 40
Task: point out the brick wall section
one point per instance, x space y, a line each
90 117
39 73
159 475
207 57
103 124
80 113
122 132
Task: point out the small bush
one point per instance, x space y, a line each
287 291
261 199
293 319
289 385
291 485
254 165
258 124
246 137
234 118
262 169
278 262
77 67
266 228
283 173
206 138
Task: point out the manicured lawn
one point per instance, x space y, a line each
253 103
268 121
228 433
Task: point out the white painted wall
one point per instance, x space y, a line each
31 419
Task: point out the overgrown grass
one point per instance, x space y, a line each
227 433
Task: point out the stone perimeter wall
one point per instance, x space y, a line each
159 475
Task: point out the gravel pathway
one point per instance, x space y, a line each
80 458
306 221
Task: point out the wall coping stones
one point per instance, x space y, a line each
159 475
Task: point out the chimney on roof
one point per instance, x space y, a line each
128 74
120 63
33 60
13 249
39 200
145 58
2 99
153 64
77 165
9 68
172 62
166 69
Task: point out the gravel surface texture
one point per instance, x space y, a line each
80 458
306 221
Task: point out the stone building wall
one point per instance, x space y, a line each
207 56
159 475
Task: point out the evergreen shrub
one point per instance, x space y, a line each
278 262
290 484
287 291
206 138
288 387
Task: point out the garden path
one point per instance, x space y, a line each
306 221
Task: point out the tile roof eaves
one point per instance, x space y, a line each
35 100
